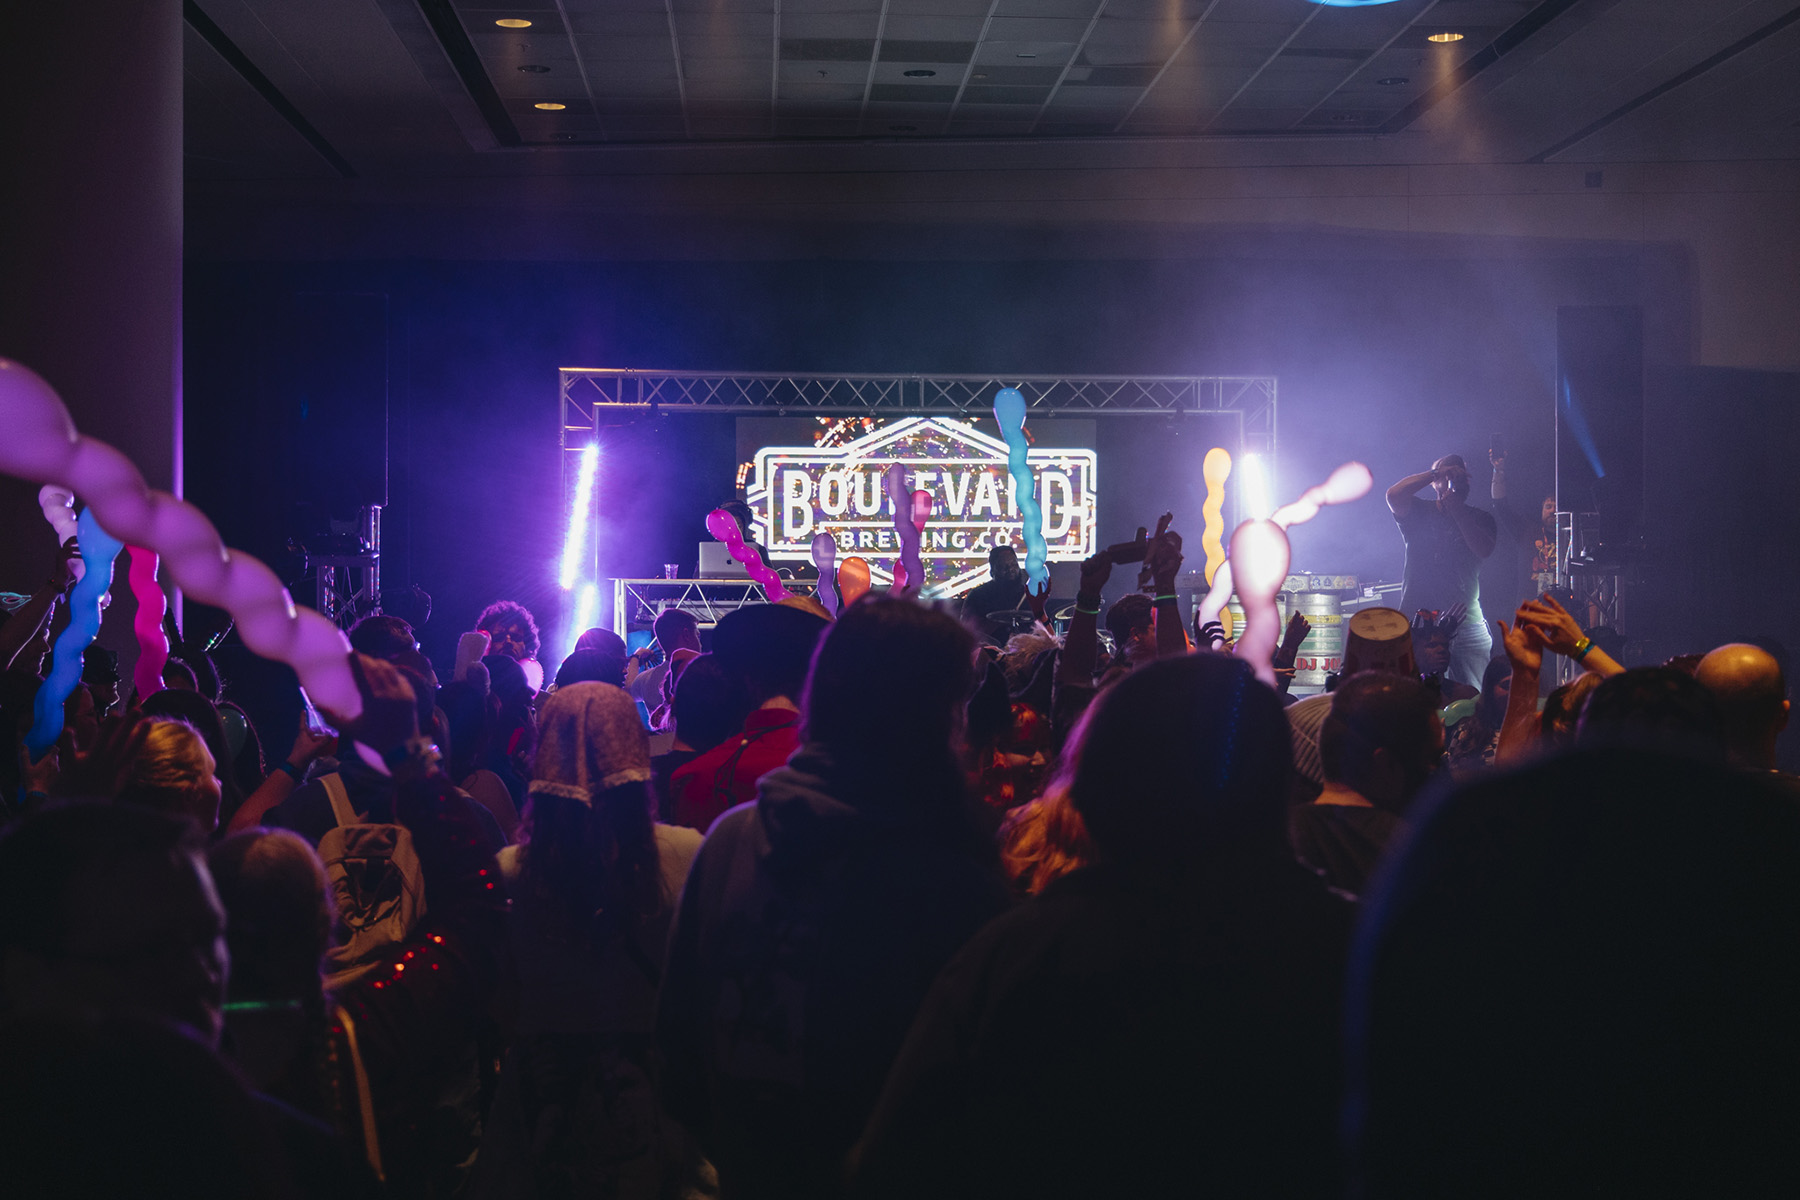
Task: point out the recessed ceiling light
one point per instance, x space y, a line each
1024 56
979 75
904 128
1393 81
550 106
920 74
1345 117
1446 36
513 23
535 69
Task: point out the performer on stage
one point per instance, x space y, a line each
1535 533
1445 543
1004 590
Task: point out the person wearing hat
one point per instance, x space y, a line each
769 647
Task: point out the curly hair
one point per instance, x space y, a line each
510 612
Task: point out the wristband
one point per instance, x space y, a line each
1087 612
1161 599
1582 647
291 771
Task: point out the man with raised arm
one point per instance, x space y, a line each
1445 543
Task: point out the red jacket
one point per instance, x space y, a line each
725 776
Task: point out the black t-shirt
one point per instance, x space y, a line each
1341 841
1441 570
996 595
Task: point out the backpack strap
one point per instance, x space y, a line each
340 799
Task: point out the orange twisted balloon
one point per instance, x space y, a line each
1217 469
42 444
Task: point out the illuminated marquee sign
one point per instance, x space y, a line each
797 491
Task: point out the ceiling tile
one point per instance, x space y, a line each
897 50
828 25
912 92
815 93
932 28
828 49
1042 53
1031 29
833 74
982 94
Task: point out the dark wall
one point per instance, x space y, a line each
1391 359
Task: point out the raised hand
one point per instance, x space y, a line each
1036 599
1095 571
1524 646
1553 624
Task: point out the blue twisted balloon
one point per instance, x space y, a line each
98 549
1009 411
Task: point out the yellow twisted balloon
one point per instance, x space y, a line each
1217 469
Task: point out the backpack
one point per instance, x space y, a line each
377 888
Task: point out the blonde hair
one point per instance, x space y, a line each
1044 840
170 769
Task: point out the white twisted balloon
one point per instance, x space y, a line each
42 445
58 504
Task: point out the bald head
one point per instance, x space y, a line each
1752 698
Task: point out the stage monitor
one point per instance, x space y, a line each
805 476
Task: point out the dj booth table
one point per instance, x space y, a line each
637 601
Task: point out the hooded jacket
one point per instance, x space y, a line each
813 922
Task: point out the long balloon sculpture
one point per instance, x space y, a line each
724 526
853 579
153 643
1216 468
1259 562
824 557
98 549
911 510
42 444
58 504
1009 413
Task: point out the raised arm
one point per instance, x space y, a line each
1520 730
1164 562
1076 664
33 617
1401 496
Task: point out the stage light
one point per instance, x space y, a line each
513 23
1446 36
575 540
587 608
1256 489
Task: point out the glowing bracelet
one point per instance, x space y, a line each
1582 647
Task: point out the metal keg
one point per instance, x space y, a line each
1322 652
1233 616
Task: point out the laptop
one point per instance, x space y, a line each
716 563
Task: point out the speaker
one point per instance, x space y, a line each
1600 415
332 385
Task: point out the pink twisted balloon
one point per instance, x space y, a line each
153 643
58 504
42 444
724 526
824 557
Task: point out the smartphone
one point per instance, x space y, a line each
315 724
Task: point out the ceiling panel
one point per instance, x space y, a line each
390 83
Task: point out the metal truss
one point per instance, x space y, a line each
636 602
586 392
587 396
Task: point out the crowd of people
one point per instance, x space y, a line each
905 904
